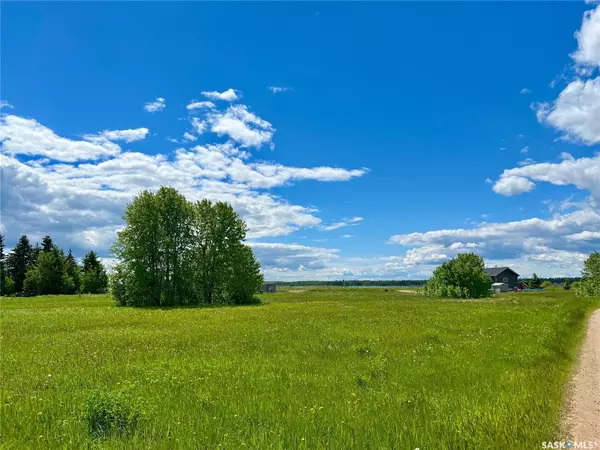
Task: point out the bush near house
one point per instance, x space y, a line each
461 277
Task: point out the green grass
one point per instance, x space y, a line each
318 368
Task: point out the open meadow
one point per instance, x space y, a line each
309 368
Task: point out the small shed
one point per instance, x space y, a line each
268 287
500 287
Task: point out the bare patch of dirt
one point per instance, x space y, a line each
582 418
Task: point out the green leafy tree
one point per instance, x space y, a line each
589 285
19 260
535 282
567 285
93 278
155 249
221 234
173 252
72 271
8 286
246 278
32 284
461 277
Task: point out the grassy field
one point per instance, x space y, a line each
319 368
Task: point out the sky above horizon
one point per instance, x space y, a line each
357 140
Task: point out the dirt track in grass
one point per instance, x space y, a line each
583 409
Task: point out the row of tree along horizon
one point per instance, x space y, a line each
404 283
57 273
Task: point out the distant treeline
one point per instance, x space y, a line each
351 283
354 283
561 280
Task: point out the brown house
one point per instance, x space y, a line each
503 275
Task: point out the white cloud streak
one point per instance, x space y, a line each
156 106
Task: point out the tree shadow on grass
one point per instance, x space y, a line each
193 306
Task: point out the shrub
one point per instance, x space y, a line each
590 277
547 284
110 413
567 285
461 277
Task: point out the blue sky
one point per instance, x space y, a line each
383 155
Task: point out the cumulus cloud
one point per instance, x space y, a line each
155 106
576 111
291 257
200 105
584 236
5 104
584 173
230 95
525 91
588 39
242 126
513 185
189 137
21 136
119 135
76 190
562 242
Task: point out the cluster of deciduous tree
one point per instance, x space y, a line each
461 277
47 270
589 285
175 252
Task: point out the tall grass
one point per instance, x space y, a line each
320 368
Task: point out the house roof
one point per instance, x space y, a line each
495 271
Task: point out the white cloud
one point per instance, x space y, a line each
584 236
561 243
488 181
189 137
576 111
242 126
566 155
230 95
200 126
285 257
584 173
513 185
344 223
278 89
525 149
81 205
526 162
20 136
119 135
200 105
588 38
347 236
502 149
525 91
156 105
5 104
